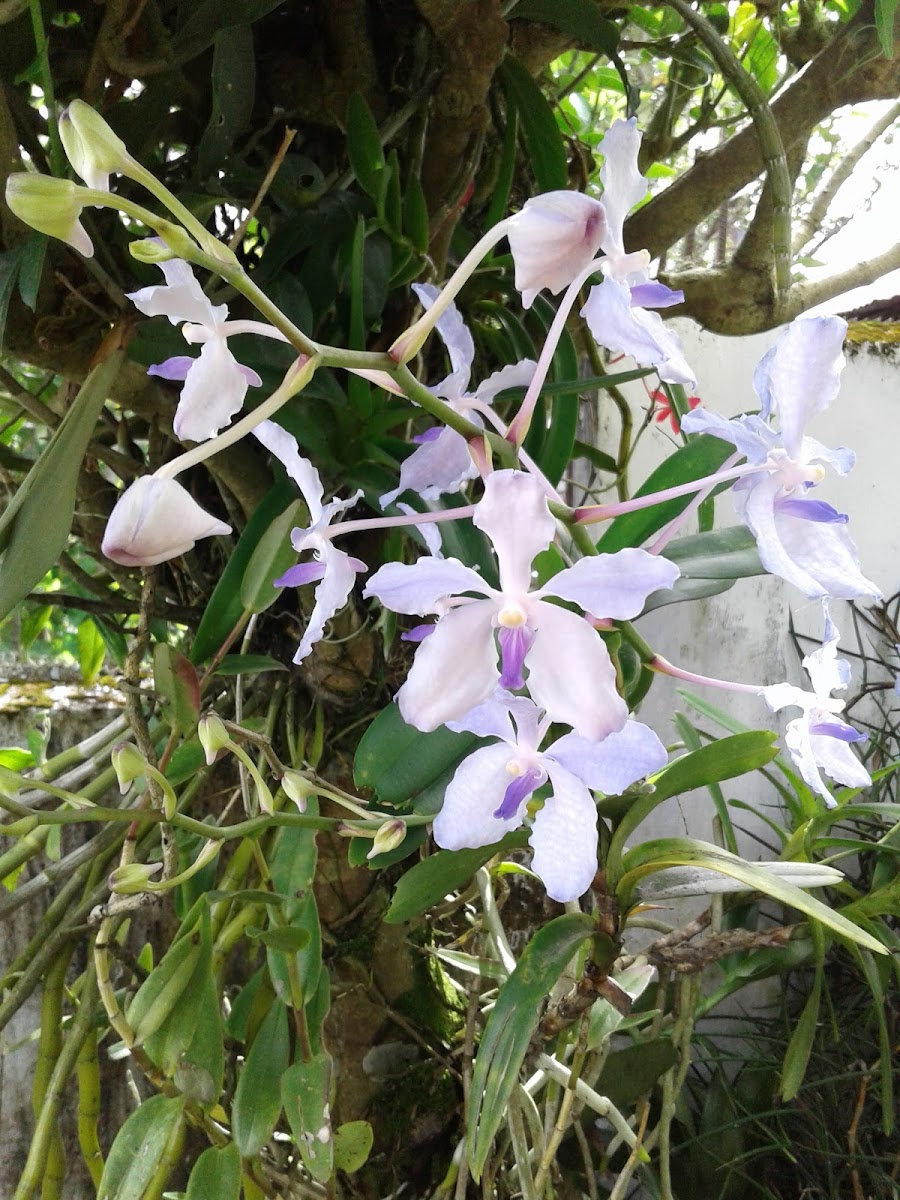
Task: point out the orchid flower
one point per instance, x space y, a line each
155 520
819 739
570 675
800 539
334 570
552 238
489 794
215 384
443 462
616 309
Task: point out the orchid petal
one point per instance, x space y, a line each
285 448
570 675
439 465
613 585
180 298
635 331
455 669
515 643
421 587
818 511
837 760
213 392
475 792
302 574
514 375
518 792
623 184
491 719
612 765
514 514
751 436
800 375
552 239
653 294
331 594
456 337
564 838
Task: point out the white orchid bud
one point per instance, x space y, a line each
92 148
553 238
155 520
129 764
51 206
213 736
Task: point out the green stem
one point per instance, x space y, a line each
57 154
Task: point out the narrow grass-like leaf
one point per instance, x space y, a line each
543 140
511 1025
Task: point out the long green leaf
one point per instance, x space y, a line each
257 1098
35 526
678 852
543 139
580 19
216 1175
140 1148
430 880
511 1024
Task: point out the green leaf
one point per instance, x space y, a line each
728 553
415 214
15 759
306 1096
364 146
352 1145
140 1147
257 1098
724 759
248 664
430 880
177 687
287 939
10 263
884 23
511 1024
91 650
800 1046
702 456
31 624
35 526
233 91
161 990
543 140
273 555
630 1072
224 610
580 19
176 1032
677 852
201 1070
33 254
205 19
406 766
216 1175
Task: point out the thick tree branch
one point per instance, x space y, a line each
850 69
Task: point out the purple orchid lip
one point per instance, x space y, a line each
514 645
520 789
430 435
844 733
302 573
175 368
418 633
654 295
811 510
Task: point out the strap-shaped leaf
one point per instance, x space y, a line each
511 1025
35 526
216 1173
542 136
140 1148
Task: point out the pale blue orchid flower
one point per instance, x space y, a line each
442 462
489 793
333 569
820 739
617 309
800 539
569 672
215 383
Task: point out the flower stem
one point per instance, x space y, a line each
605 512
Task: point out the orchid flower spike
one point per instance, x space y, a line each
819 740
334 570
800 539
490 792
442 462
616 309
215 384
155 520
570 675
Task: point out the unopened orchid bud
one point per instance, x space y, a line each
297 788
552 239
133 878
388 837
51 206
213 736
155 520
129 764
92 148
